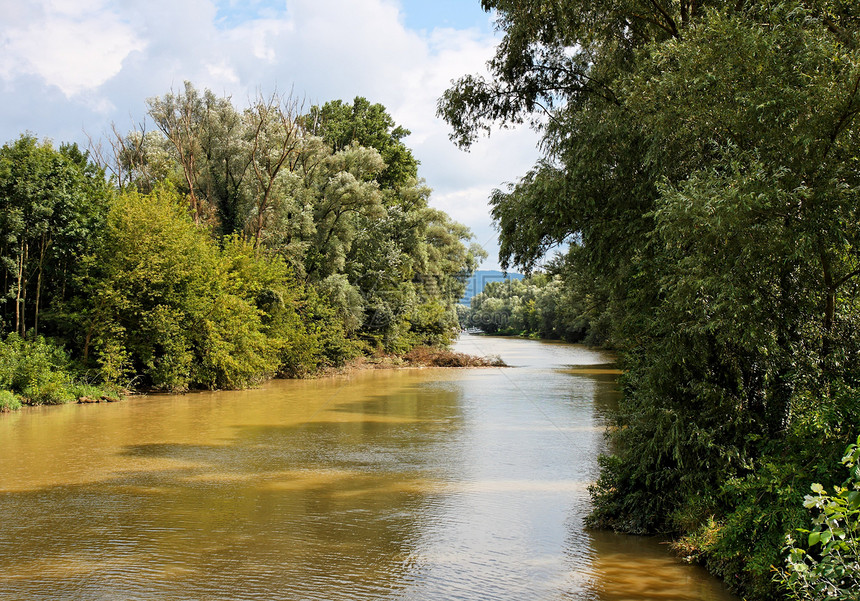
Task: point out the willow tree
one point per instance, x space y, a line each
701 159
370 125
277 144
208 137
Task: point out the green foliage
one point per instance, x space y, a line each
9 401
829 566
206 134
701 165
170 305
542 306
433 324
52 205
37 372
746 545
341 125
167 303
326 331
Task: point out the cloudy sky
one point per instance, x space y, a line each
69 68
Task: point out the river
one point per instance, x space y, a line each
416 484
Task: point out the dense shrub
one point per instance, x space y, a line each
36 370
167 303
9 401
826 564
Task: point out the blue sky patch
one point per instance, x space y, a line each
417 14
235 12
456 14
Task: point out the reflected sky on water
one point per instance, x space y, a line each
400 484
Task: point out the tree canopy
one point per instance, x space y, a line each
341 125
701 161
225 246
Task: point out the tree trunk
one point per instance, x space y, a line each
23 291
18 291
782 390
39 282
829 306
87 340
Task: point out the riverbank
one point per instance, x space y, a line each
418 357
421 356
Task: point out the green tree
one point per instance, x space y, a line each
52 205
829 568
279 148
165 302
368 125
209 142
701 162
343 189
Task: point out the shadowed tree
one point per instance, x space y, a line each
701 160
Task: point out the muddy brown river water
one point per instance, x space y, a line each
419 484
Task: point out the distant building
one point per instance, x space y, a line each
475 284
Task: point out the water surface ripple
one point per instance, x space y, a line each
389 485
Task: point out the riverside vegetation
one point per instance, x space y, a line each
545 306
701 162
221 248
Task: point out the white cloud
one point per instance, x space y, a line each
74 46
466 205
107 57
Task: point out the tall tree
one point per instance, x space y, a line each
278 144
52 204
369 125
701 159
208 137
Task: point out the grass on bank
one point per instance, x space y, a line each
38 372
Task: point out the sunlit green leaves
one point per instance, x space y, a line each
830 569
52 207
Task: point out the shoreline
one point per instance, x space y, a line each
417 358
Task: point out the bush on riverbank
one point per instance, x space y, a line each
824 563
9 401
38 372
